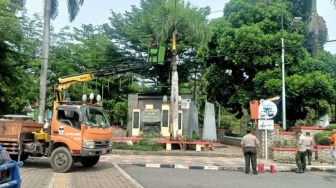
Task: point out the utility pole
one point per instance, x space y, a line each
45 56
174 87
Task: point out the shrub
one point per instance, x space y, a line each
239 135
285 144
195 136
145 144
150 135
331 127
321 138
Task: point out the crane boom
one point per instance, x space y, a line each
64 83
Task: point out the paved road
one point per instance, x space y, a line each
166 178
37 173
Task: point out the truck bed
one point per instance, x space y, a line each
14 131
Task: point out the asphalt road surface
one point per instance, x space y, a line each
167 177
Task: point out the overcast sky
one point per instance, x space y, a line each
98 12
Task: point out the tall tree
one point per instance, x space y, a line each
51 12
244 56
333 2
315 25
161 18
12 71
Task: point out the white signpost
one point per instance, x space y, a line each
266 111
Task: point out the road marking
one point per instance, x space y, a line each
211 167
153 165
134 182
59 180
181 166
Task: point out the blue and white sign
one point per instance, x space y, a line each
267 109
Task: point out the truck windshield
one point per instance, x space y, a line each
95 117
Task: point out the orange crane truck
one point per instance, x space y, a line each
78 131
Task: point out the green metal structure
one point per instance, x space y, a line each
156 54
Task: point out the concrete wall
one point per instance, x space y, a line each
232 141
323 154
118 132
272 136
139 101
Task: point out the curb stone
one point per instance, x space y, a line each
231 168
167 153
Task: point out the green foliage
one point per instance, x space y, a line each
284 144
321 138
310 119
16 85
331 127
239 135
243 61
150 135
195 136
135 29
137 146
287 160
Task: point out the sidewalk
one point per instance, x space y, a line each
223 157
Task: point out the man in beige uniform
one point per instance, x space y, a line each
309 147
250 143
301 153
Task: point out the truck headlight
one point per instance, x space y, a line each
88 144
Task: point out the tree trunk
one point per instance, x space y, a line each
315 47
314 9
174 89
174 96
45 56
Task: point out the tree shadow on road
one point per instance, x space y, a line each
36 163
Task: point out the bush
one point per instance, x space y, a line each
239 135
145 144
284 144
331 127
150 135
321 138
195 136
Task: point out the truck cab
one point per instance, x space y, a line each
77 133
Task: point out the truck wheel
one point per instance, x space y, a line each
61 160
90 161
23 157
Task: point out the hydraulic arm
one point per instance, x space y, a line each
65 82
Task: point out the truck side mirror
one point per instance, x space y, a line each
81 119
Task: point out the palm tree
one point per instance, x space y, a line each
167 16
333 2
51 12
316 24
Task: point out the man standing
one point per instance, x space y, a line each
309 147
250 143
301 153
333 145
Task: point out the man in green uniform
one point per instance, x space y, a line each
250 143
309 147
301 153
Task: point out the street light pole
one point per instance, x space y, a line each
283 73
283 78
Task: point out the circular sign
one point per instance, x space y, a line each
267 109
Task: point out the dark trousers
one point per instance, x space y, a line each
301 160
309 154
250 154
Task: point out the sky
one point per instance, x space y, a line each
96 13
